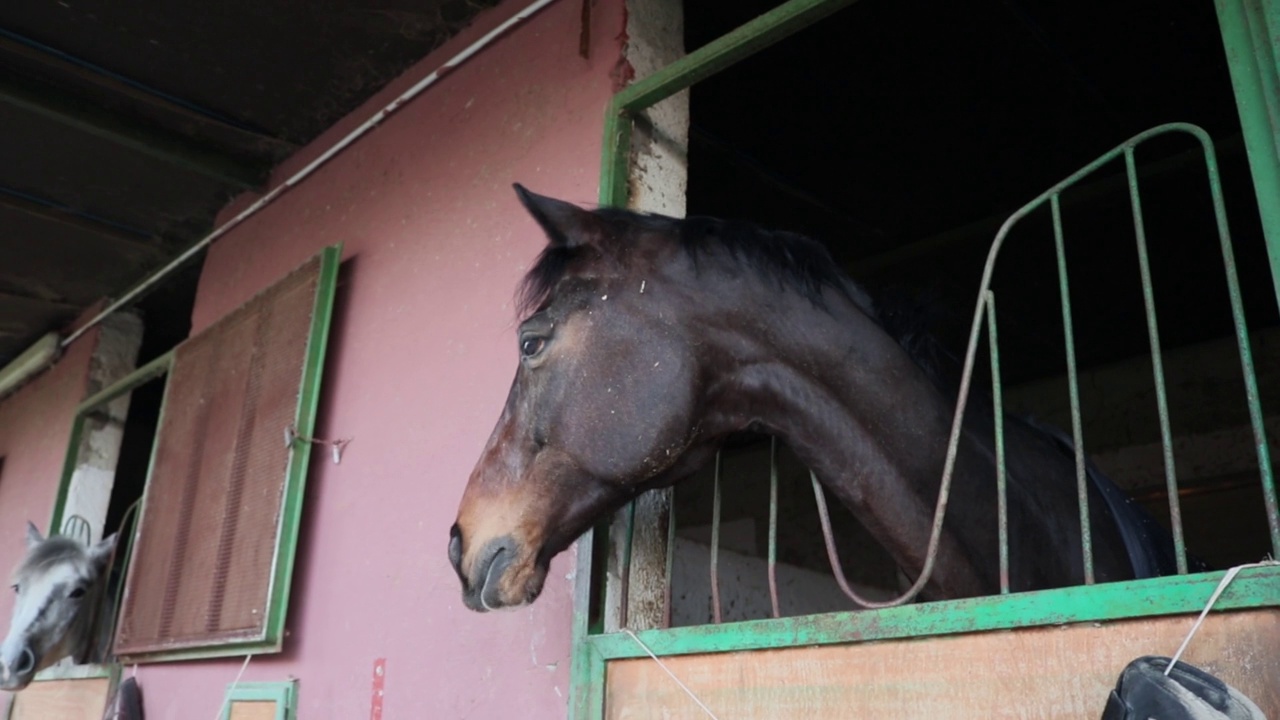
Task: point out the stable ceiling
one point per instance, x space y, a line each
128 125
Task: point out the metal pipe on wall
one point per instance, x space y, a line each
312 166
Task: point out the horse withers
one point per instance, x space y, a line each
648 341
60 586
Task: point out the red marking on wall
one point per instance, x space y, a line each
379 681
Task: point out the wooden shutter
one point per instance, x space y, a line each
214 551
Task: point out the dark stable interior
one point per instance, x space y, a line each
902 134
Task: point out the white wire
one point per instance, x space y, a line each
667 670
1226 580
226 700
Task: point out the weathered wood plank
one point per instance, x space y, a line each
1058 672
62 700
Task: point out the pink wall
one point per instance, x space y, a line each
35 425
421 356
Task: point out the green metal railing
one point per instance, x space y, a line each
1183 593
1052 196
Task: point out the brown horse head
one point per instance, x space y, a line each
600 408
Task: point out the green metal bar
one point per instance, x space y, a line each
715 544
1252 395
773 526
582 673
749 39
1157 362
599 670
1073 386
1002 475
1248 28
752 37
1172 595
128 383
69 463
300 459
615 158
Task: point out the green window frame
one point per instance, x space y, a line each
284 694
1246 26
272 638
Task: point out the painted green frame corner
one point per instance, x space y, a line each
284 694
1246 26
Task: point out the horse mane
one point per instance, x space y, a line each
796 262
53 551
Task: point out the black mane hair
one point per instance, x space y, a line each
796 262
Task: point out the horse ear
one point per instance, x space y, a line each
565 224
100 554
33 535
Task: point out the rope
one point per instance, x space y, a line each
667 670
1226 580
226 700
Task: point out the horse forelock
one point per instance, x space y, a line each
52 553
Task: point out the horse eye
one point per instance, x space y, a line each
76 593
532 346
15 588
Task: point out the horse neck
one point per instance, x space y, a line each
858 411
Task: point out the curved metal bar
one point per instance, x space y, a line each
77 527
966 379
1002 477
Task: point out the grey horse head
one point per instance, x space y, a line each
60 584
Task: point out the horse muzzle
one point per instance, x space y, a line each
17 672
497 578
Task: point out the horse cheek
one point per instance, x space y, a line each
643 425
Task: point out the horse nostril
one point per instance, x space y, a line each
455 547
26 662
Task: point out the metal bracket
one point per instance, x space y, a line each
336 447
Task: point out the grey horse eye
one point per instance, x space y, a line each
15 588
76 593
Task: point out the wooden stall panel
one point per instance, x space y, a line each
62 700
253 710
1063 672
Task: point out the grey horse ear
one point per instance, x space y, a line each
565 224
34 537
100 553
